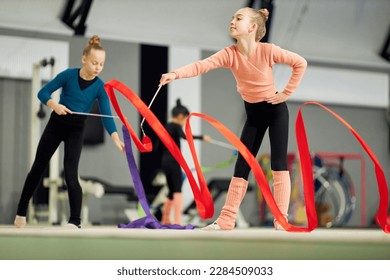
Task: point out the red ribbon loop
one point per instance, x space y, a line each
306 167
303 148
202 196
257 172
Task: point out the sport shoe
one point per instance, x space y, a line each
278 227
212 227
20 221
72 226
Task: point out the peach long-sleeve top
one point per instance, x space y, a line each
254 74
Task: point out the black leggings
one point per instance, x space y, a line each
261 116
173 174
69 129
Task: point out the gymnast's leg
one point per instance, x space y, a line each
175 197
48 144
278 134
252 136
72 152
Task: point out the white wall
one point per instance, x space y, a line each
34 16
345 32
333 30
189 92
338 86
18 55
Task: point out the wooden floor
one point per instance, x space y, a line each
98 243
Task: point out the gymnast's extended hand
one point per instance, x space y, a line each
167 78
117 141
207 138
277 98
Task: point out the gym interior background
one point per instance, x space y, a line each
344 41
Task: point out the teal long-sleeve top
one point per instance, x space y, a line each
78 100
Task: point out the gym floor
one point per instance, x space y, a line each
111 243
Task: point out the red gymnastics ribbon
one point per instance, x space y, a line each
258 174
303 149
202 196
306 167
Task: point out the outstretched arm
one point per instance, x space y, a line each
196 137
167 78
217 60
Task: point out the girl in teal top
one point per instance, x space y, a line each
80 88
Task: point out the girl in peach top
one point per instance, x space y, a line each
251 64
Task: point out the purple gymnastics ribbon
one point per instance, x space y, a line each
149 221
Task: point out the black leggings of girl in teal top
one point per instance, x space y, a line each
70 130
260 117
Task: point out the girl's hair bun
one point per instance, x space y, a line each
94 41
264 13
179 109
